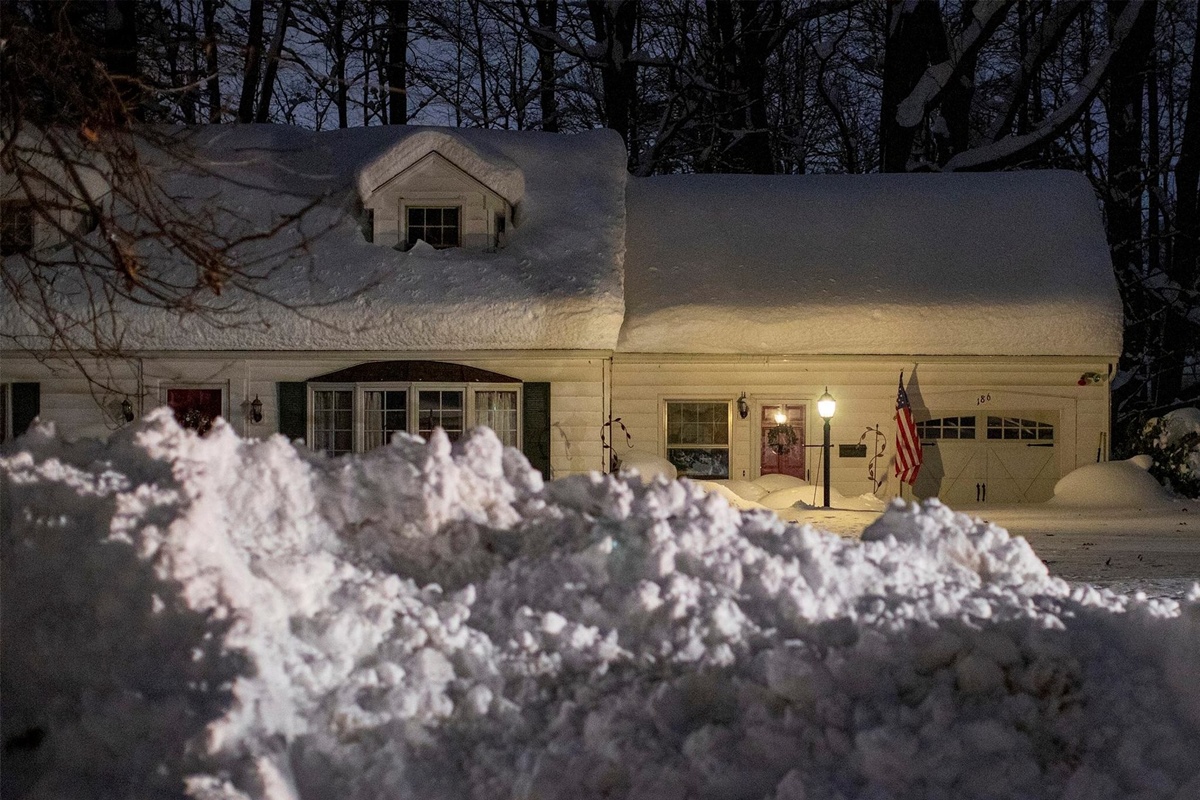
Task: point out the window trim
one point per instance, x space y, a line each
406 206
358 405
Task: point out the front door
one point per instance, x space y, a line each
195 409
781 441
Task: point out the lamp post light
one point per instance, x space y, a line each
825 407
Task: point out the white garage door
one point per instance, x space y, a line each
994 458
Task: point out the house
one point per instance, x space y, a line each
526 282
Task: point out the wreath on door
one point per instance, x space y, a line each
781 439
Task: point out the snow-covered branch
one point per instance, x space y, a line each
1013 148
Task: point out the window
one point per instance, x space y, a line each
385 412
497 409
436 225
440 409
698 438
5 419
196 408
947 428
500 226
16 228
354 418
1011 428
368 224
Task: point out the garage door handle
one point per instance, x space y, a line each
985 493
977 486
1043 444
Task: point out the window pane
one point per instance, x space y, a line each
333 421
440 409
450 217
498 411
416 216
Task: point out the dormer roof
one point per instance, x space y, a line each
490 167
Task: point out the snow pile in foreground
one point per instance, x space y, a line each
232 619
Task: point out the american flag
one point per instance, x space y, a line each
908 444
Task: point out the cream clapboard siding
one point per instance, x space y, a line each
865 390
577 395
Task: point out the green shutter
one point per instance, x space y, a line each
536 422
26 405
293 410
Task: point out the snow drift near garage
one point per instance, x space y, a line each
245 619
1010 263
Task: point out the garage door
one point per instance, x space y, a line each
994 458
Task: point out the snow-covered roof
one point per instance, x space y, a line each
555 285
1009 263
1012 263
485 164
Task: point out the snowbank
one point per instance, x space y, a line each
1112 484
244 619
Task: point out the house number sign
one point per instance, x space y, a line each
983 399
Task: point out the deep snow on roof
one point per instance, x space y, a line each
556 285
1009 263
973 264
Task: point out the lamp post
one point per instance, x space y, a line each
825 407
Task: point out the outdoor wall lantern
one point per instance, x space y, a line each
127 410
825 407
256 410
743 406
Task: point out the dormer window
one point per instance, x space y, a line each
435 225
438 188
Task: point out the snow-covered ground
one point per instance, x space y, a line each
238 619
1153 551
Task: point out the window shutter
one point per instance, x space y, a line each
536 422
26 405
293 410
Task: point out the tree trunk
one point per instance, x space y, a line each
268 84
1123 199
210 61
547 16
615 22
1181 336
397 69
121 55
253 62
906 54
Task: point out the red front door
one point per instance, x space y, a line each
781 443
195 409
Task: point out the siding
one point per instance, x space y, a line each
865 390
577 390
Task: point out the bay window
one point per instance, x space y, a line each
354 418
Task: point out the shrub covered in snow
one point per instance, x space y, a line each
226 618
1173 440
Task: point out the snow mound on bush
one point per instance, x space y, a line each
230 618
1111 484
648 465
